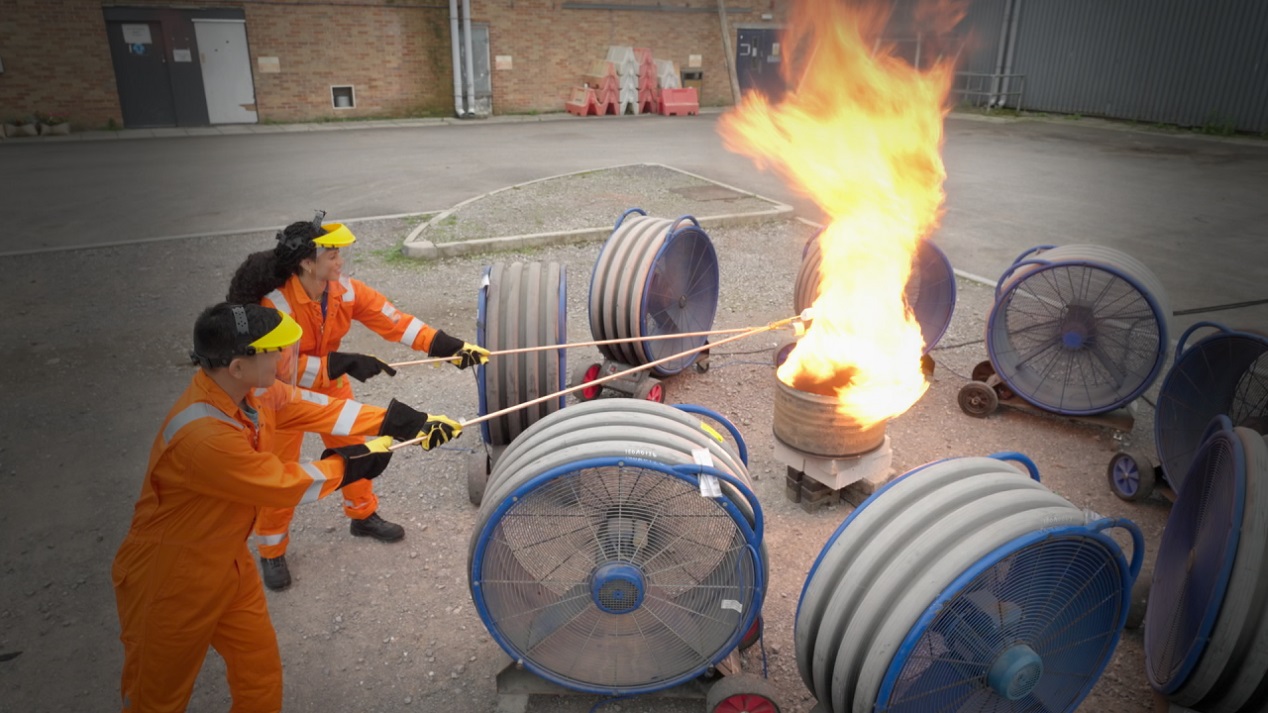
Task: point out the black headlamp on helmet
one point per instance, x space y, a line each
328 236
274 332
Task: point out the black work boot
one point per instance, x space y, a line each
277 576
378 528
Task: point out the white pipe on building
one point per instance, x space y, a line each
459 106
466 38
993 99
1008 62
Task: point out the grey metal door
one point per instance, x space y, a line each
758 59
141 73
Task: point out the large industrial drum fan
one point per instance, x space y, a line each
964 587
930 290
599 563
1078 329
1207 619
653 277
1222 373
519 305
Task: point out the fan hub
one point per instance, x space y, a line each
1078 326
617 587
1015 672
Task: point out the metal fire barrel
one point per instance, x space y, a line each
811 423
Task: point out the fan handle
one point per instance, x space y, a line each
1013 268
726 423
674 226
1018 458
1196 326
620 220
1138 540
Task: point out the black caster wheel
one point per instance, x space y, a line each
1131 475
1140 598
983 371
702 362
977 399
478 469
753 635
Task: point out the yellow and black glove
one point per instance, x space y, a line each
464 354
358 366
405 424
363 461
438 431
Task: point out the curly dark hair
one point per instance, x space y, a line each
267 270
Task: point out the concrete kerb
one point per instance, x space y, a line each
419 248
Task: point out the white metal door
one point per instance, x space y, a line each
226 67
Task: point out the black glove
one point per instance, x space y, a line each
363 461
358 366
465 354
402 422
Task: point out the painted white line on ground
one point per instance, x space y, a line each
187 236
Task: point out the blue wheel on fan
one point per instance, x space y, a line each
1131 475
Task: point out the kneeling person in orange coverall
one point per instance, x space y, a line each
184 577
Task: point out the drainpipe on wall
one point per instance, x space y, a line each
1008 62
727 52
466 43
459 107
993 99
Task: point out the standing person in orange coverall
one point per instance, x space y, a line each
303 277
183 577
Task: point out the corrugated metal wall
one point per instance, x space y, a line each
1201 63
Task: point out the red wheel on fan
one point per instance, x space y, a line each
753 634
745 692
586 375
651 390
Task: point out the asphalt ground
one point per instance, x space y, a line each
94 343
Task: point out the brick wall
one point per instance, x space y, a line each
551 47
396 57
56 61
395 53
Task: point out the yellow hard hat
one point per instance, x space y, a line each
337 236
286 333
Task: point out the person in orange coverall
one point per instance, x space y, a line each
303 277
184 578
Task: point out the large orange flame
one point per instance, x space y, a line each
859 131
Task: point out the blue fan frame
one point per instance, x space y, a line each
1160 317
740 445
677 231
1093 531
482 302
1183 352
690 474
1221 428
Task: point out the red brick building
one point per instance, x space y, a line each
167 63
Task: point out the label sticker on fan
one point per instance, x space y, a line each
709 487
484 281
733 605
702 457
711 431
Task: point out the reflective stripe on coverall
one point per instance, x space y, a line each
346 300
184 578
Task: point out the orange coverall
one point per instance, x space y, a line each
347 299
184 578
